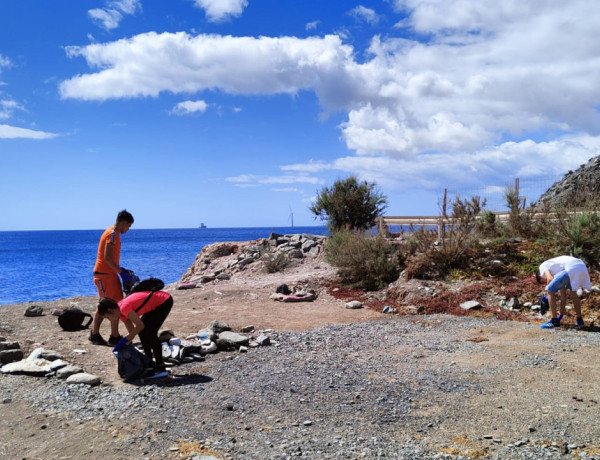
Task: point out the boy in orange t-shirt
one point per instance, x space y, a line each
107 272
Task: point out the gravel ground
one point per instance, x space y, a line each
400 388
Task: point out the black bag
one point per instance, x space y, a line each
131 363
149 284
72 319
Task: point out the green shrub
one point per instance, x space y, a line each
274 261
579 235
349 204
366 262
487 224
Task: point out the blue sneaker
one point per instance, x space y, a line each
554 322
579 322
559 317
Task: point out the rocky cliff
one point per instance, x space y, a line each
579 188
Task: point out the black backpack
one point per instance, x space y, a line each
149 285
131 363
72 319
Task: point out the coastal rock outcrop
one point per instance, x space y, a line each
577 188
220 261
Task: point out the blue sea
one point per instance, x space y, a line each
50 265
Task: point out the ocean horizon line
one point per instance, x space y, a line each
165 228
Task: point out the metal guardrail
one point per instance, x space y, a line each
440 222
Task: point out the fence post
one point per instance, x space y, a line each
442 222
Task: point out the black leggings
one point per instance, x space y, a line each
153 320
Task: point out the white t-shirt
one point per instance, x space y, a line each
575 268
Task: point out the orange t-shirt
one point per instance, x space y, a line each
110 235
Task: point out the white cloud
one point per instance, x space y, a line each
107 18
4 62
287 190
7 107
221 10
12 132
312 25
127 6
189 107
419 109
362 13
245 180
311 166
509 160
110 17
150 63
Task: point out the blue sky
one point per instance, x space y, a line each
236 112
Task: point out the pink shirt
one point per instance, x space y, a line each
133 301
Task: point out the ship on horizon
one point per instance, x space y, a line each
202 225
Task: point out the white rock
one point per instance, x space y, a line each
27 366
354 304
85 378
470 305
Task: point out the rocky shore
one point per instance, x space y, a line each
330 383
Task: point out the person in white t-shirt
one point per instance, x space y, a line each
562 274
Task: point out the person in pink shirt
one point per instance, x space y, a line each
143 314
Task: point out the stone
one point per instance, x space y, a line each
203 279
296 254
315 250
263 340
34 310
42 353
246 261
354 305
513 303
57 364
208 348
10 356
223 276
35 367
68 371
470 305
247 329
308 244
414 310
228 340
84 378
9 346
217 326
